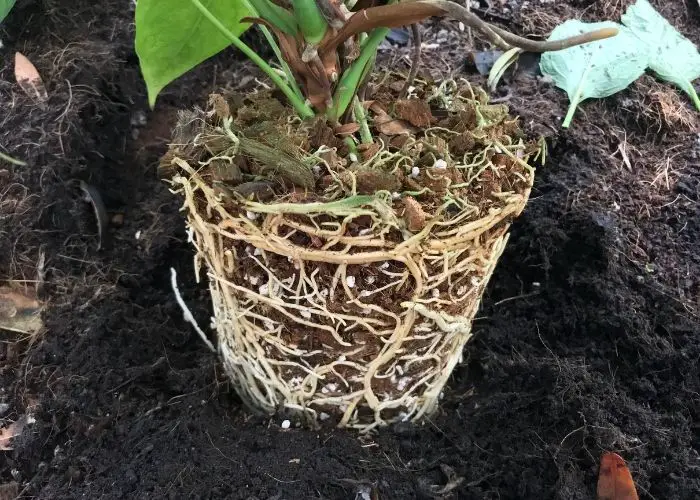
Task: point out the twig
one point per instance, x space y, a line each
516 297
362 88
413 11
186 311
507 40
415 61
470 33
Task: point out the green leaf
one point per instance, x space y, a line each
672 57
173 36
5 7
501 65
595 69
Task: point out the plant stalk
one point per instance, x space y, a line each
351 79
301 107
361 117
276 49
311 21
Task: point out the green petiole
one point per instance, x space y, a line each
361 117
301 107
312 23
264 9
352 78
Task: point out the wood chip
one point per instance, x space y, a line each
367 151
387 125
29 79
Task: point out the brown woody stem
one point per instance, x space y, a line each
415 61
413 11
507 40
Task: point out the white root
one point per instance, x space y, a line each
187 314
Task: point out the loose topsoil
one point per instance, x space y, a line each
588 339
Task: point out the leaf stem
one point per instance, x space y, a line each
693 95
570 114
361 117
352 77
311 21
276 49
301 107
577 98
352 147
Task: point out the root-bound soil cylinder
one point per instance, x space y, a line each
344 281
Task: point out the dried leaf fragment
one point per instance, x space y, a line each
614 479
387 125
19 312
413 214
414 111
219 107
346 129
29 79
10 432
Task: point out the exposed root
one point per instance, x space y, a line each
330 306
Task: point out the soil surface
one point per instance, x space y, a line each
588 339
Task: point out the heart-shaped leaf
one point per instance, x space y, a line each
173 36
501 66
595 69
672 57
5 7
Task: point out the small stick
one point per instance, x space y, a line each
412 11
507 40
470 33
415 61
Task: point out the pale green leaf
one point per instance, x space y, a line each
173 36
595 69
501 65
5 7
672 57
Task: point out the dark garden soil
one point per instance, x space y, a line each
588 339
